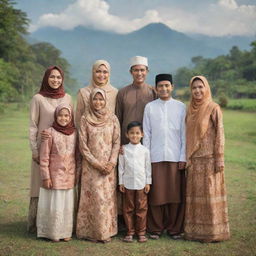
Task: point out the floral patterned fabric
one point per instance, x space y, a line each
97 210
206 217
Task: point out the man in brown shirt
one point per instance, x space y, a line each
130 103
132 99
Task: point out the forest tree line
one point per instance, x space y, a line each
22 64
232 75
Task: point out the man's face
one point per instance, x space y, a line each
139 73
164 89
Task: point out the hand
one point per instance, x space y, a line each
108 167
219 168
36 159
181 165
147 188
121 150
47 184
122 188
45 135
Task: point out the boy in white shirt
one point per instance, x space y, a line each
134 179
164 136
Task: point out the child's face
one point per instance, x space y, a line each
164 90
63 117
98 102
134 135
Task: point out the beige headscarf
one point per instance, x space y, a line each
106 87
100 117
197 119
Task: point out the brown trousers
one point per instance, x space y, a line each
167 216
135 211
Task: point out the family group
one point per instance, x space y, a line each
136 157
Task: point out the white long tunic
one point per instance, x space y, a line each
164 130
134 167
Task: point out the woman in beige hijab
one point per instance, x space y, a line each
100 79
99 142
206 217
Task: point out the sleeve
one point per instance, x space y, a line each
119 107
147 128
78 158
85 151
121 166
183 136
148 167
33 125
45 150
79 109
219 140
115 142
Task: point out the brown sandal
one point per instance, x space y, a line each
128 239
67 239
142 239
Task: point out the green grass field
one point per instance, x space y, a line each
240 130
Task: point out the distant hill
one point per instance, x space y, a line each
165 48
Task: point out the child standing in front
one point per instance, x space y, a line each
134 180
58 172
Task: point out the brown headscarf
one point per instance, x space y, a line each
100 117
197 119
70 127
106 87
46 90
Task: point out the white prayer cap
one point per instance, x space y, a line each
139 60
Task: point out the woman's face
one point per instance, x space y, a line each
98 102
101 75
198 90
55 79
63 117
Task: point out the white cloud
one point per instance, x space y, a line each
226 17
95 14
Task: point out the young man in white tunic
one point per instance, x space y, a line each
164 136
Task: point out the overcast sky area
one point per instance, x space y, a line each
208 17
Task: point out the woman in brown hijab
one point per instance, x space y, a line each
100 79
206 217
42 107
99 141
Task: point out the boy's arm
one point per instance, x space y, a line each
148 167
183 137
146 128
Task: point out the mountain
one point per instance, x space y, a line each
165 48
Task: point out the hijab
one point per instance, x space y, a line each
106 87
70 127
198 117
46 90
97 117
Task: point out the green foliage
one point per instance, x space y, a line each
223 100
242 104
233 74
22 65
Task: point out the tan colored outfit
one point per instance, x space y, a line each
84 94
41 117
130 103
99 139
206 217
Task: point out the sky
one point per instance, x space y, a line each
208 17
